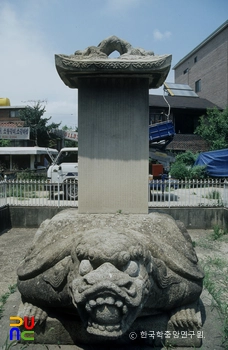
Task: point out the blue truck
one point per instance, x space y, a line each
161 134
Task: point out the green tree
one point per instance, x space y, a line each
184 168
213 128
179 171
188 158
40 130
4 143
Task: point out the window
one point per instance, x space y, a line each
14 113
185 71
68 157
195 59
198 85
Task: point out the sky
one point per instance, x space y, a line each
33 31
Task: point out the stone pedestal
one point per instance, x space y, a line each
112 279
113 118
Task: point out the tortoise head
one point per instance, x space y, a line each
110 281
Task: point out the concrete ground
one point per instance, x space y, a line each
13 245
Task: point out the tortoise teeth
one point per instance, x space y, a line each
92 303
99 309
109 328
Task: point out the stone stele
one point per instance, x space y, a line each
93 279
113 141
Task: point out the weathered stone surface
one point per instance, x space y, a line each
113 145
109 271
94 61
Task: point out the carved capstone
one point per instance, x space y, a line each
110 270
95 60
109 45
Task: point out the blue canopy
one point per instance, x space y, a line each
216 162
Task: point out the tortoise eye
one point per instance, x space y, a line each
85 267
132 268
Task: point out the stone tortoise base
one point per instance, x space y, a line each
154 331
212 336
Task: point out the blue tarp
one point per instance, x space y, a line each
216 162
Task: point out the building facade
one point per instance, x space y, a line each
10 115
10 120
184 113
205 68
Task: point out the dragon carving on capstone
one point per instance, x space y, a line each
109 45
98 60
111 270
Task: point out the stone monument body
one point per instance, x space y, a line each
113 122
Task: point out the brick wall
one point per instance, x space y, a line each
4 114
211 67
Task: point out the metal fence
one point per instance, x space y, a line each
38 193
3 197
167 193
188 193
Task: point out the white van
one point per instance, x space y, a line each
63 172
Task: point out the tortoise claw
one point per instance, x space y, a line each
30 310
186 316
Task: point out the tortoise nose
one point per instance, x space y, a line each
105 272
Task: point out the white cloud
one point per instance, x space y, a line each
64 111
160 36
28 68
